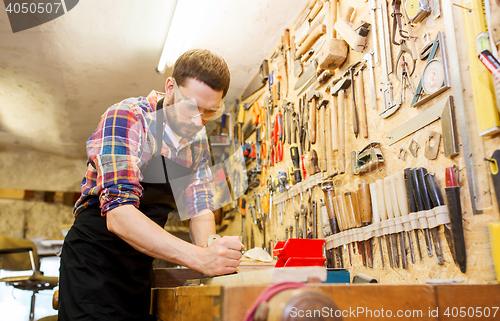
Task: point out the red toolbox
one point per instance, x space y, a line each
299 252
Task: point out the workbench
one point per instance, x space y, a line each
355 301
231 301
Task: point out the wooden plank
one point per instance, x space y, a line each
11 193
164 278
267 276
468 302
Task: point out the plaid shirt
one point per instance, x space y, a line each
121 147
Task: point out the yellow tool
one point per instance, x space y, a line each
482 83
495 246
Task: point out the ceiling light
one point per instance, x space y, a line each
186 25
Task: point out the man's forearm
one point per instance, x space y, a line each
146 236
201 226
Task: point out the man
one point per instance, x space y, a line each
106 261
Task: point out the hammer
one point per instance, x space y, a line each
340 90
312 97
322 107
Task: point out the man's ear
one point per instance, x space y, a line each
169 86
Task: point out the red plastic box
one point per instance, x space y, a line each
299 252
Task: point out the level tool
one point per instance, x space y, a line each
488 119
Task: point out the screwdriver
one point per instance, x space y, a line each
415 186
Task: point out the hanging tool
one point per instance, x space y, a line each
373 16
302 36
417 10
368 158
328 190
384 36
368 58
312 98
360 92
397 214
424 194
286 47
390 215
334 52
432 145
401 194
323 129
303 215
443 109
310 40
376 217
346 220
383 217
258 81
355 37
365 207
340 90
437 200
355 218
305 13
355 122
396 22
306 76
416 187
456 81
412 207
488 118
435 78
329 144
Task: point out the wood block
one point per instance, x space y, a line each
332 54
267 276
163 278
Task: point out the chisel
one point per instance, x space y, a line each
353 212
411 206
343 214
365 207
376 217
437 200
390 214
415 187
452 191
397 213
335 226
383 216
424 193
403 207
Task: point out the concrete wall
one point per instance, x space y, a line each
32 170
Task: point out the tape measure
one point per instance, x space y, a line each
433 77
417 10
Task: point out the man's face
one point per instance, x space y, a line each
196 91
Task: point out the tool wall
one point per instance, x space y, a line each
368 125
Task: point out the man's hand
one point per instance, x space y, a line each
222 256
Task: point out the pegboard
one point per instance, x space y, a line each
396 157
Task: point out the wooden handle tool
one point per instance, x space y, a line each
310 40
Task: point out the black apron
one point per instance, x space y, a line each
101 276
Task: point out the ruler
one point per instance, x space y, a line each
456 82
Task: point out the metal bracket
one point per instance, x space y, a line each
367 158
432 145
414 147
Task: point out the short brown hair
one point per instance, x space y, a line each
204 66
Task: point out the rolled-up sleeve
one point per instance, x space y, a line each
113 151
199 194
